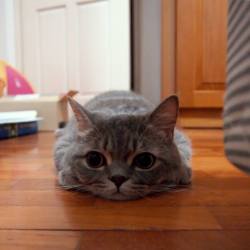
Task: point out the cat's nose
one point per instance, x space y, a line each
118 180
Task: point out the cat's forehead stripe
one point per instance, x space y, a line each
119 144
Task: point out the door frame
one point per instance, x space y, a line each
168 47
189 117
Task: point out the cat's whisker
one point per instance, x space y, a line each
71 187
169 188
140 192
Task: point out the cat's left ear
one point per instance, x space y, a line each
164 117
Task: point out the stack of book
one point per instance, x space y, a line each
18 123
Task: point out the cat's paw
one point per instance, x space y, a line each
58 132
186 177
67 180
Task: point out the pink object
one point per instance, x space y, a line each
17 84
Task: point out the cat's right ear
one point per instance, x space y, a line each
164 117
81 115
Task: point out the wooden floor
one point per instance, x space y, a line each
36 214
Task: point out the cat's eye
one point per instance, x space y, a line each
144 161
95 159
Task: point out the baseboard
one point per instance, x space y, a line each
200 118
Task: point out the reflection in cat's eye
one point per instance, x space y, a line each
144 161
95 159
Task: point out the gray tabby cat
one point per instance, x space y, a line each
119 147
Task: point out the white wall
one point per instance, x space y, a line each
2 29
147 50
7 30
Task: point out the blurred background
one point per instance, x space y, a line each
155 47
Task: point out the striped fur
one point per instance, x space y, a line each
237 98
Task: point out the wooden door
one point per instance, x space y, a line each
201 28
76 44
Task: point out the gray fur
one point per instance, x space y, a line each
120 125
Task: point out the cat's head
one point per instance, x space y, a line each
127 156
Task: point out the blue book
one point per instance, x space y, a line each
18 123
18 129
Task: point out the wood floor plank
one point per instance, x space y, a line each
43 198
203 198
75 218
218 166
65 198
203 181
232 217
38 240
35 184
113 240
177 240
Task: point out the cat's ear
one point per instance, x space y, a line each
164 117
81 115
